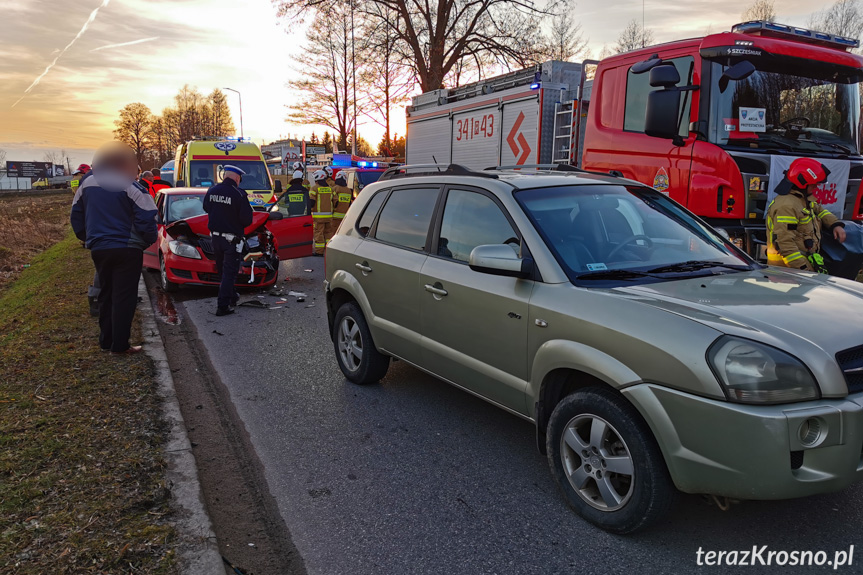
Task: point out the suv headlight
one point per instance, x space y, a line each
184 250
751 372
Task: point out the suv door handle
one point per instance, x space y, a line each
363 267
435 290
307 225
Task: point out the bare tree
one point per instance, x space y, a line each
843 18
387 82
760 10
435 36
53 157
633 37
3 160
564 40
326 80
604 52
133 128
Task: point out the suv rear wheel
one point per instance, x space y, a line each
356 353
606 462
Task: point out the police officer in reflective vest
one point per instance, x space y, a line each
795 221
321 199
230 213
297 195
343 196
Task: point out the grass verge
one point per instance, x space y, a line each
81 470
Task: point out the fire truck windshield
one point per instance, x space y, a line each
775 109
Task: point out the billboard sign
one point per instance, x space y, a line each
29 169
312 153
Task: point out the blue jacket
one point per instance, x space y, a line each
109 213
229 208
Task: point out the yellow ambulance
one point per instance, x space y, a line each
200 164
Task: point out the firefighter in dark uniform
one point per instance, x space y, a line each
796 222
296 196
230 213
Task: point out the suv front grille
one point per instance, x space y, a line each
851 363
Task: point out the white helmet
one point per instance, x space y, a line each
298 175
298 166
320 176
328 170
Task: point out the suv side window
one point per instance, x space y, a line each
638 87
405 218
472 219
364 224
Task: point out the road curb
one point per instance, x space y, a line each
197 551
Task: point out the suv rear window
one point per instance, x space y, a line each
405 219
364 225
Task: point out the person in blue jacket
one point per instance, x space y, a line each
116 219
230 213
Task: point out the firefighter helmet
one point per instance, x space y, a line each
320 176
82 169
805 172
329 171
298 166
298 175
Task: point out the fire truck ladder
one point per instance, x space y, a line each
564 131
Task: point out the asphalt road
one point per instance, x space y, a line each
414 476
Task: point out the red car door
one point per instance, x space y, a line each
294 231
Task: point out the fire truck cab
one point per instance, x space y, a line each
713 122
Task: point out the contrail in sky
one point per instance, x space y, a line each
69 45
132 43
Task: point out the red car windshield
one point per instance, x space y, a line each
181 207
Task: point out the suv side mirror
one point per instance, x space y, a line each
275 216
278 187
499 260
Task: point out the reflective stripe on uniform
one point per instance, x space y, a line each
787 220
322 215
792 257
823 214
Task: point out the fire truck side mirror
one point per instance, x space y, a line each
663 113
664 76
739 71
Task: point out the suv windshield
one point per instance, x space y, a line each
614 235
204 174
815 112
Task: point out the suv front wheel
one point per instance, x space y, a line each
606 462
356 353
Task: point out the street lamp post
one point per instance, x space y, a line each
242 134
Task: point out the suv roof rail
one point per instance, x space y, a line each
432 170
551 167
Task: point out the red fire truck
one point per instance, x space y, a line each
713 121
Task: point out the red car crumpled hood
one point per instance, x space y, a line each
198 224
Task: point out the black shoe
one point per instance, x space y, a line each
220 311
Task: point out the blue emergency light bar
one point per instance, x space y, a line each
237 139
778 30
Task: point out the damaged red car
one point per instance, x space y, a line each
183 253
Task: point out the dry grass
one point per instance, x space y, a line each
81 471
28 226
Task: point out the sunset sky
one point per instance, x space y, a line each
145 50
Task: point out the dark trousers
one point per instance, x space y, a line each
119 270
228 265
